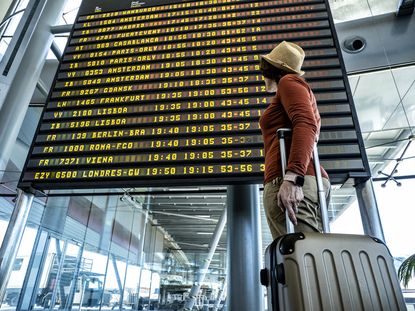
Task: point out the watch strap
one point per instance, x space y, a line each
295 179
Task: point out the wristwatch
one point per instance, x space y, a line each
295 179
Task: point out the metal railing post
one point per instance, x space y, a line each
204 269
13 237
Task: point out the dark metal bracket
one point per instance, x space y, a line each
398 161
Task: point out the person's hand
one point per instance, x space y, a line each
289 197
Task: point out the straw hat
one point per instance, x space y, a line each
286 56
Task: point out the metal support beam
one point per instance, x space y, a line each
369 211
205 246
205 304
12 238
83 286
60 29
146 208
37 261
105 237
74 281
23 65
220 295
132 230
185 216
42 89
244 249
60 254
56 51
141 244
118 278
225 304
204 269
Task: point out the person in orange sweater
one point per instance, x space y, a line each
293 106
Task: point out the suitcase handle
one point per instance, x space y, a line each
321 193
282 133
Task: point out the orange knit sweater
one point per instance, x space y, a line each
294 106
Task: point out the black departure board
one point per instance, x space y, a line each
169 93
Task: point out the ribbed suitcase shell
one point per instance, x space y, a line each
331 272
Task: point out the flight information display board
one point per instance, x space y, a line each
170 93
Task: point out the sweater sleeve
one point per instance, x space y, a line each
295 98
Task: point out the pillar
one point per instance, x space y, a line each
369 209
244 249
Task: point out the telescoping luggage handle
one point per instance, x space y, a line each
282 133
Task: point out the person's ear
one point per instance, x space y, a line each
270 85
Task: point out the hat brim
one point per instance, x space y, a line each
280 65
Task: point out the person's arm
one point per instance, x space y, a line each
296 101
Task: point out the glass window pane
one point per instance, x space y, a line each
18 273
69 12
68 277
398 214
4 44
376 100
132 284
119 251
348 221
397 120
49 275
92 277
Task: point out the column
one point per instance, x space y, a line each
369 209
244 249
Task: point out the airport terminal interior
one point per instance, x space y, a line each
167 245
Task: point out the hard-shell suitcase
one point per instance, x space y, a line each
323 271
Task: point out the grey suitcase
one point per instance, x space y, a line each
322 271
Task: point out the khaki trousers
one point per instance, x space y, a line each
308 216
